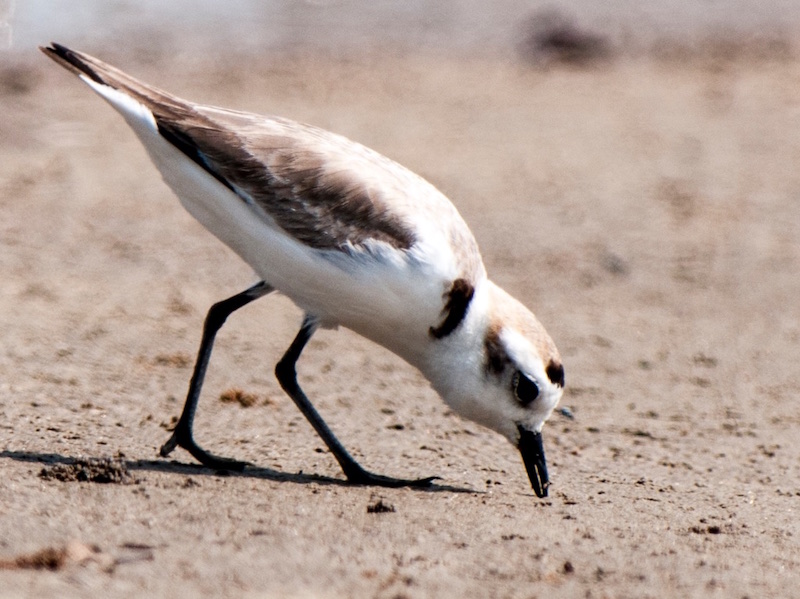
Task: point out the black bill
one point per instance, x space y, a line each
532 450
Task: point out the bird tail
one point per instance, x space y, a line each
96 72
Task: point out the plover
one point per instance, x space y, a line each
355 240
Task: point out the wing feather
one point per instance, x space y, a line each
281 166
322 189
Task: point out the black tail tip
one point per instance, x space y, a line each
56 49
71 60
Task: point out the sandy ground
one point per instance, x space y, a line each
646 209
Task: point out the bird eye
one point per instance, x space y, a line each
524 388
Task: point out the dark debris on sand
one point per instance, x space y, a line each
92 470
380 507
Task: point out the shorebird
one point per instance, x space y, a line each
355 240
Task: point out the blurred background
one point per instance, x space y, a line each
416 25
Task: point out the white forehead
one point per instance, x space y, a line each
523 353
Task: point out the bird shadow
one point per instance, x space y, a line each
181 468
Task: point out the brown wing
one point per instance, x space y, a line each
307 180
310 182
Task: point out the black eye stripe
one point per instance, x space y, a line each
524 388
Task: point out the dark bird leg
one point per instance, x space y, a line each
182 435
287 376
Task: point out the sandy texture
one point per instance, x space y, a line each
646 209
